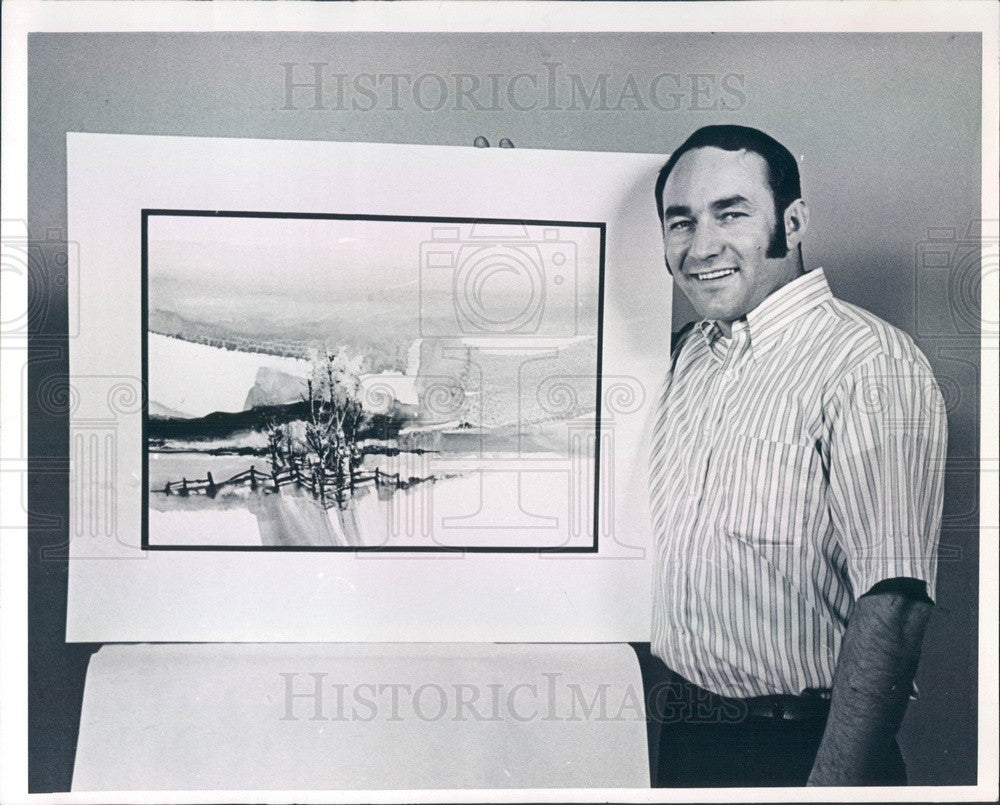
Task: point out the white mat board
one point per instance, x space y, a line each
120 592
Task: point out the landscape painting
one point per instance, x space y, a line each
337 382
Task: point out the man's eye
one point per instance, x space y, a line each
731 216
677 226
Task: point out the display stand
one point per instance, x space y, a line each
243 716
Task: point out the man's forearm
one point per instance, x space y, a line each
872 683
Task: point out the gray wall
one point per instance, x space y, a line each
887 128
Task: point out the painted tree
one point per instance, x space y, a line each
335 412
278 445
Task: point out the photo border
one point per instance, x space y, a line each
812 16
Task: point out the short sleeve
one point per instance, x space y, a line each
886 447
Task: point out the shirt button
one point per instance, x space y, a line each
706 430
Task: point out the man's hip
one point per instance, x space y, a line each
709 740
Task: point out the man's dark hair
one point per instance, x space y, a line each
782 170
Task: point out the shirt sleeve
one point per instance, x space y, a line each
886 449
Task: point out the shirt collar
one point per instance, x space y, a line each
768 321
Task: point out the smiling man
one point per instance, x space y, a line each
796 489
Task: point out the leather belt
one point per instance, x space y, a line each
679 699
787 708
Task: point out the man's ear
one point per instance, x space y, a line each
796 222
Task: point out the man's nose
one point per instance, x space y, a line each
706 242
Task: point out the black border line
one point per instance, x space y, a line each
144 539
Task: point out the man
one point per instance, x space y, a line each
796 489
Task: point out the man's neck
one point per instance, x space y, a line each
726 327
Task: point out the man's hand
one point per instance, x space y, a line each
871 686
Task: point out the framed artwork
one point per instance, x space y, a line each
343 382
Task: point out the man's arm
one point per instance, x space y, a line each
885 451
871 684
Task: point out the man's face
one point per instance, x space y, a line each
719 221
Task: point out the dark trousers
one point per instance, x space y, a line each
707 740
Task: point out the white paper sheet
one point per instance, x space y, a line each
246 717
218 570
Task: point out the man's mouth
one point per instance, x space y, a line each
708 276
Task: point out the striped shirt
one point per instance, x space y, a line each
794 465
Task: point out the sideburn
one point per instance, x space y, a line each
777 247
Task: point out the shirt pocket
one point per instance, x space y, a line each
772 490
